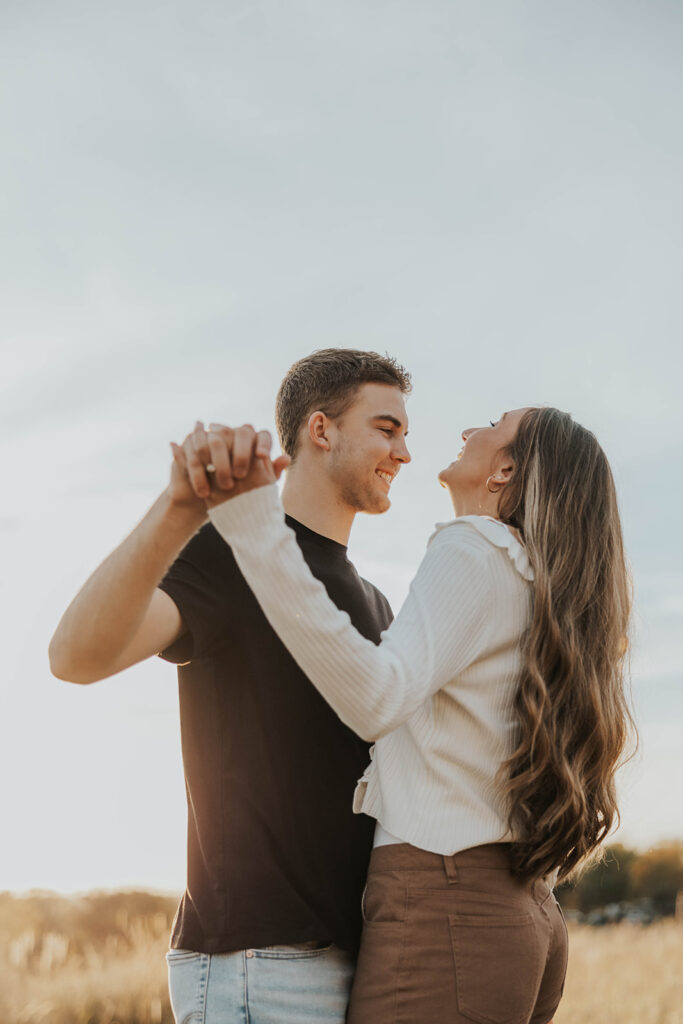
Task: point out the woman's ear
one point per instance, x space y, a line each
317 430
502 473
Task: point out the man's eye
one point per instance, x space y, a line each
387 430
492 423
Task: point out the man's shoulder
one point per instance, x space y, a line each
381 603
207 548
206 562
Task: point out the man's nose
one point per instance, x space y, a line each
466 433
401 453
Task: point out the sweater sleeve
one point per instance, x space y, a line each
442 628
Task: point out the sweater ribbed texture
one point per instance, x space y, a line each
436 696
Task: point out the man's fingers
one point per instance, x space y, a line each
220 457
231 452
243 450
282 462
226 433
264 443
197 455
200 442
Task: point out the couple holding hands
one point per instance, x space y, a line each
410 880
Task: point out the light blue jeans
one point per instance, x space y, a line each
275 985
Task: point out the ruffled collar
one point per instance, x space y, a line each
498 534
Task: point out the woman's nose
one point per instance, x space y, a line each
466 433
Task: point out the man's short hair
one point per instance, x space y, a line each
328 380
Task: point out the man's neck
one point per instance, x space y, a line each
312 501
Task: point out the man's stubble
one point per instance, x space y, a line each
356 482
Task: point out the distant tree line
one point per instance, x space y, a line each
626 876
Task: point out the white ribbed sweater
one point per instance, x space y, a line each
436 695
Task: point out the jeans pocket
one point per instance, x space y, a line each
498 968
188 974
297 951
177 956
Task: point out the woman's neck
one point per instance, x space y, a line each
477 504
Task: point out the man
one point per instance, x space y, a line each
269 924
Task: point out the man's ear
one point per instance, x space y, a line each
317 430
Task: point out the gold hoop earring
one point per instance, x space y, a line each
489 488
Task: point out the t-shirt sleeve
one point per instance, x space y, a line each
204 582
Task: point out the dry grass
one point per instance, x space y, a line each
625 973
117 983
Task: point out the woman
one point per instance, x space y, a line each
496 703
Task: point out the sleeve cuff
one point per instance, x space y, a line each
248 514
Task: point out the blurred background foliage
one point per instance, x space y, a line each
651 879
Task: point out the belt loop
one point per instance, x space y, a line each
450 869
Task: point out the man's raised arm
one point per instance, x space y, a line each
119 617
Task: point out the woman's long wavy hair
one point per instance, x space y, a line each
573 712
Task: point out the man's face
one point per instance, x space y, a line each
368 447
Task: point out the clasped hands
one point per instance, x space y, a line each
222 462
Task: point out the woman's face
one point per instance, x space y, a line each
480 458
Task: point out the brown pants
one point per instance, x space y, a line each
448 940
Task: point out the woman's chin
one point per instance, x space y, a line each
445 476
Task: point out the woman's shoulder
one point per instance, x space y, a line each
485 535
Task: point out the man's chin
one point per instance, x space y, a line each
371 500
377 506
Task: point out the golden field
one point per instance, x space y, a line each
624 974
619 974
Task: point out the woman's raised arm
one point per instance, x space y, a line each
443 626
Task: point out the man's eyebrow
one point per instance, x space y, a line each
503 416
392 419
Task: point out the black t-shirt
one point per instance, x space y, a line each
275 853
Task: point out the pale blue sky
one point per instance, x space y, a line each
192 196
